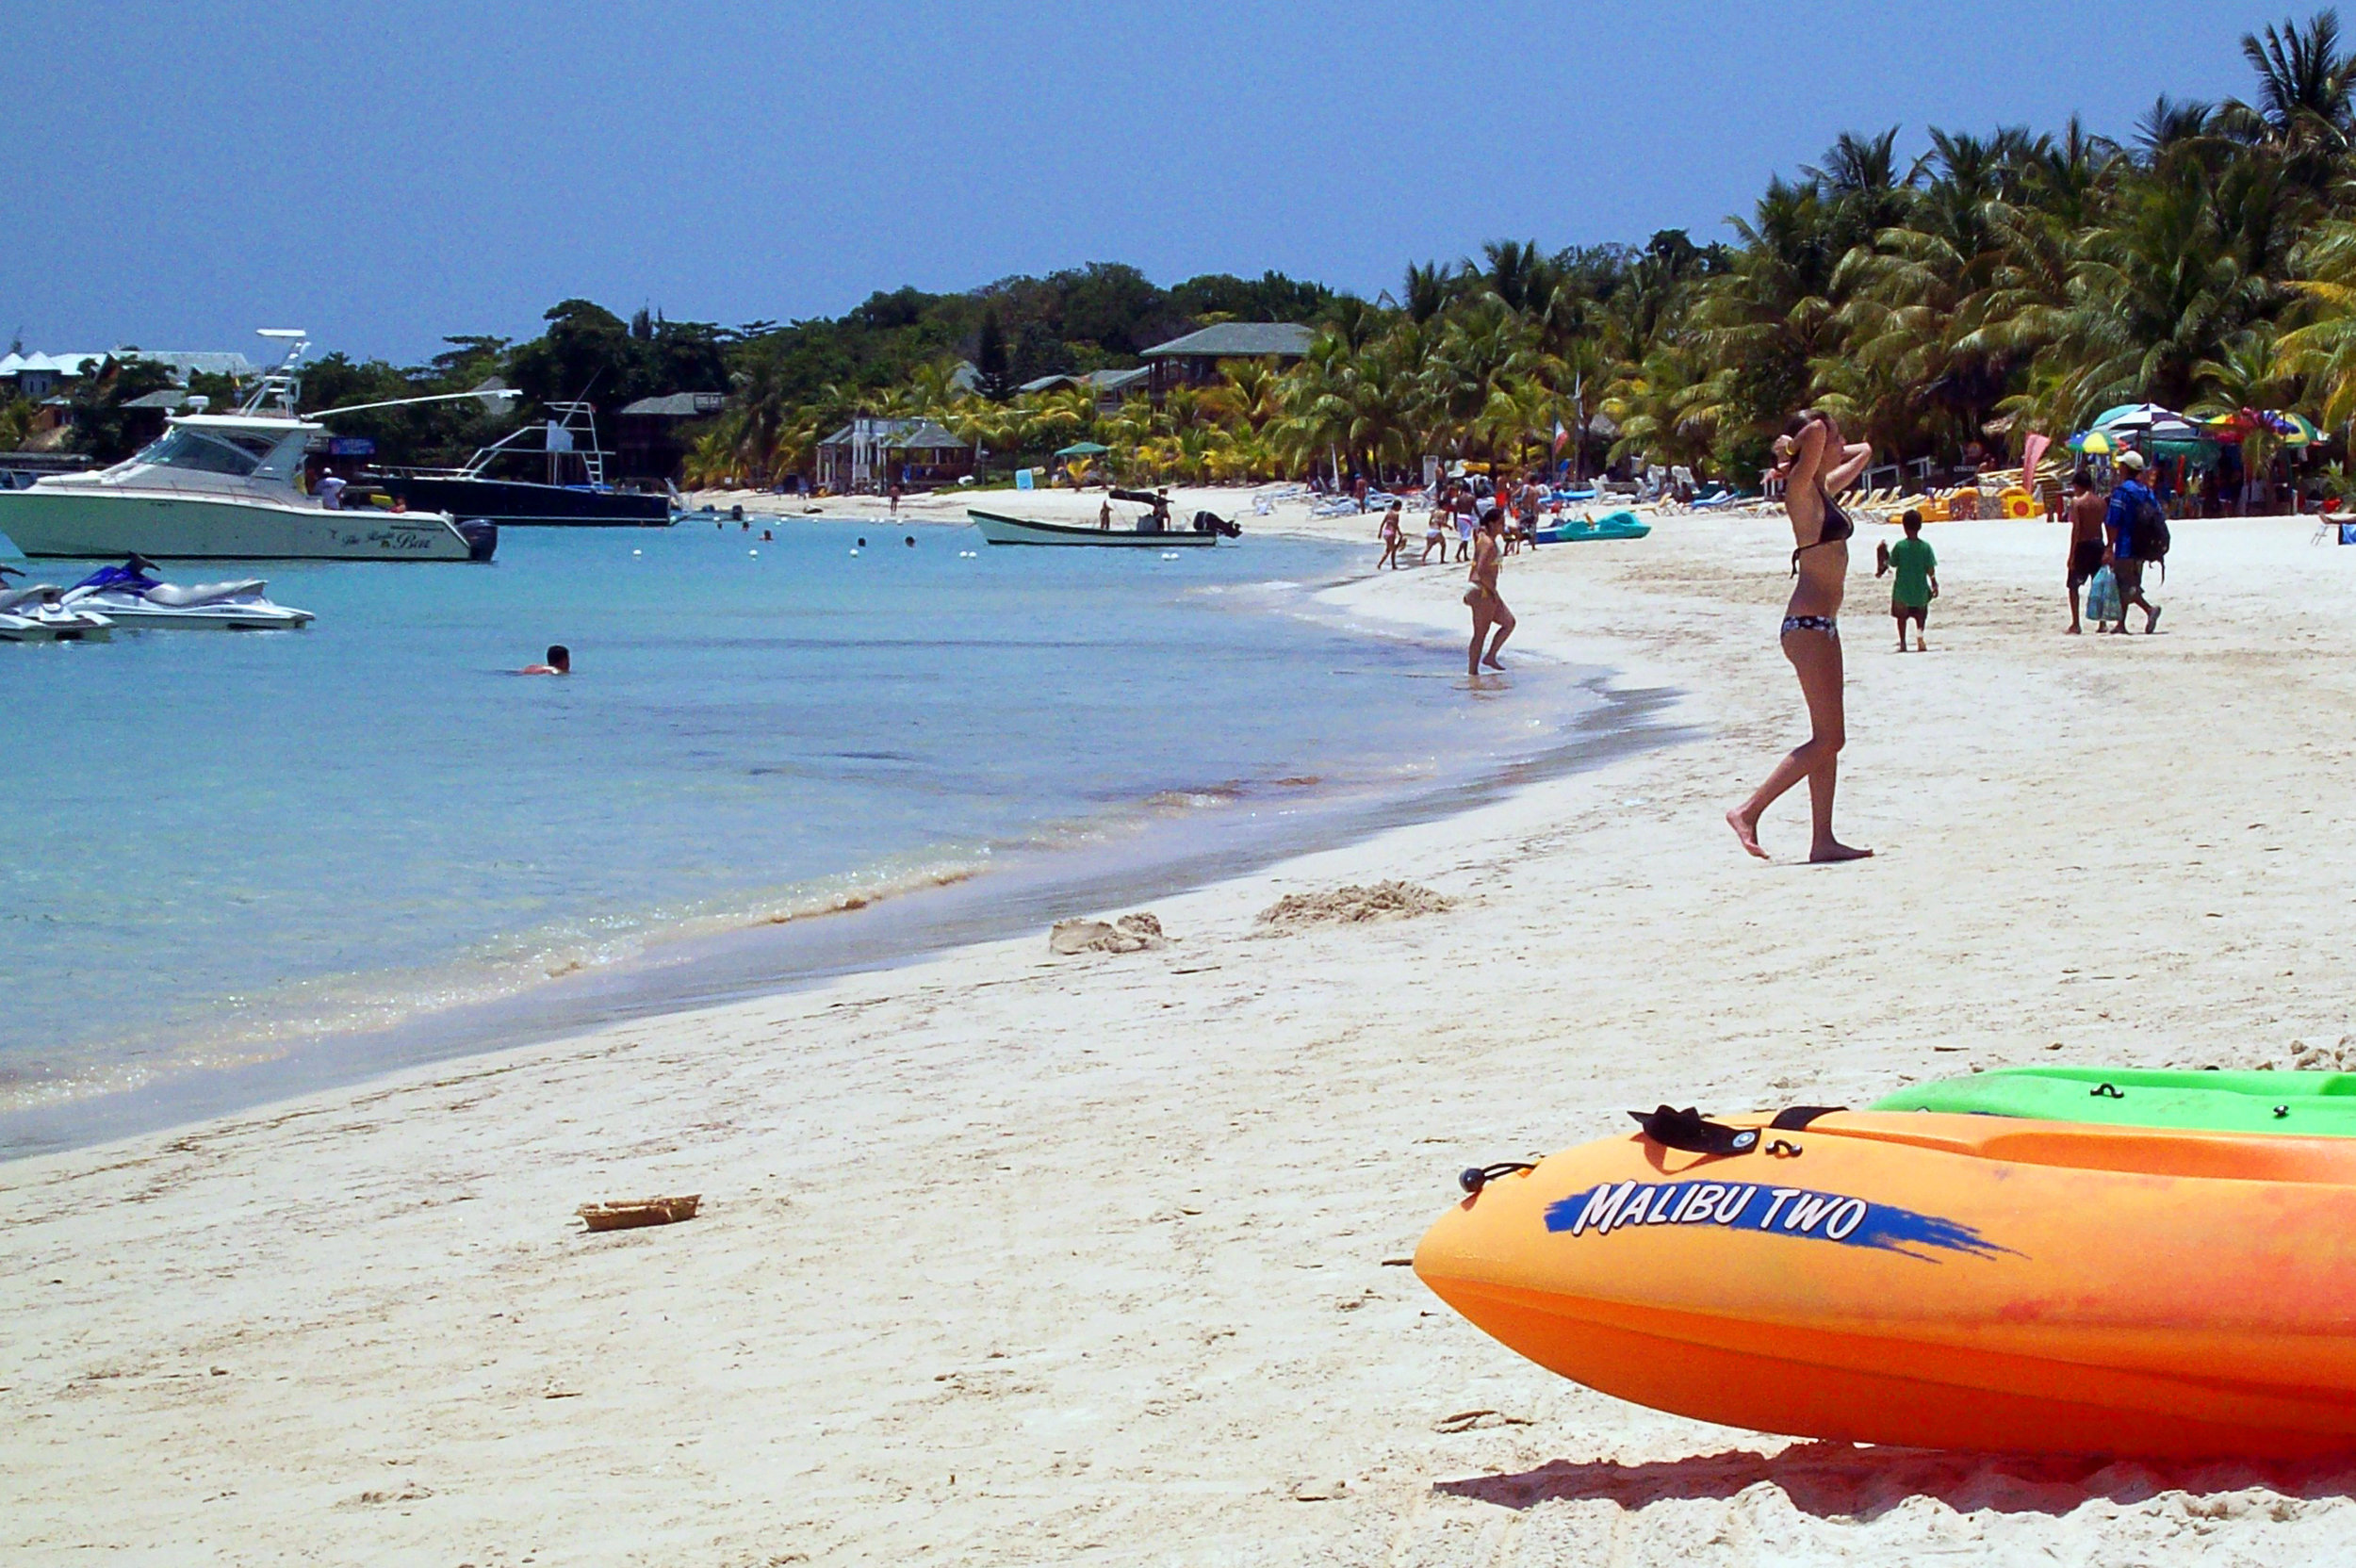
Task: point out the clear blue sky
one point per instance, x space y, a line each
384 173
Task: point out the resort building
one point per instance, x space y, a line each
869 454
1193 359
1110 386
647 446
38 376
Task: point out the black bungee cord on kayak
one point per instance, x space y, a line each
1475 1177
1696 1134
1688 1130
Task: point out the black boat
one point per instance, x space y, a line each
573 495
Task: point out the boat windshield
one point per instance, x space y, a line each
209 451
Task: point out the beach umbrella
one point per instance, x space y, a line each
2293 430
2094 442
1083 449
2148 419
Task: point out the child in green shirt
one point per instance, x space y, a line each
1917 581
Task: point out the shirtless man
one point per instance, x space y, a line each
2089 552
560 661
1488 606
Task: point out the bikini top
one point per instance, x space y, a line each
1837 527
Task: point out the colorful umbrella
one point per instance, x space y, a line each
2094 442
2293 430
2160 424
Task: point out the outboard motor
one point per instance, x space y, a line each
482 536
1210 522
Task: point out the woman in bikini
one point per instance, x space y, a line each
1488 606
1817 466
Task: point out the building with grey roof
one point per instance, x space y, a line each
1110 386
1193 359
184 363
870 454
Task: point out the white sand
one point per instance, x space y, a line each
1007 1259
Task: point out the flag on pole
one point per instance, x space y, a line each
1561 435
2033 452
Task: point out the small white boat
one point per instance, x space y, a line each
129 595
38 613
1000 529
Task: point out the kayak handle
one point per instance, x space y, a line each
1475 1177
1696 1134
2107 1092
2281 1111
1782 1150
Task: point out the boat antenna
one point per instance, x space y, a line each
491 397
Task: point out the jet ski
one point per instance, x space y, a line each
131 595
37 613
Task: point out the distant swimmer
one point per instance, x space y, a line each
560 663
911 541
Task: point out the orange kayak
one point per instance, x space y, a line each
1941 1280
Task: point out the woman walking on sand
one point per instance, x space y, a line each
1816 466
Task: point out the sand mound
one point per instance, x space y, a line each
2340 1057
1383 901
1129 934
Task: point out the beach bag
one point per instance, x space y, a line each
2102 602
2149 535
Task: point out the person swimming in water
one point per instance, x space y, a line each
1817 466
560 661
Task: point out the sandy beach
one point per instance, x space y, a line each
1011 1258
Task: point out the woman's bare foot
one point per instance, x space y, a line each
1834 850
1492 662
1746 830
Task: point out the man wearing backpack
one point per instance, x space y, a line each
2138 532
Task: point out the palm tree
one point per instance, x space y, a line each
2251 372
2157 293
1772 317
2322 347
2302 89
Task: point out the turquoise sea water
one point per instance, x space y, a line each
228 848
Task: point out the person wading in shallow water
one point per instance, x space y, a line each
1817 466
1488 608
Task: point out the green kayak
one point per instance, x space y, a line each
2314 1103
1611 525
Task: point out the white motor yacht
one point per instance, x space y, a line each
227 487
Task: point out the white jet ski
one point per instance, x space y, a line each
131 595
38 613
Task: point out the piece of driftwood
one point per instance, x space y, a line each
629 1213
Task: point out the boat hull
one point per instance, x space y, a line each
522 504
91 523
1617 524
999 528
1939 1280
2309 1104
